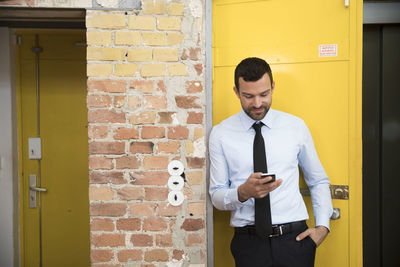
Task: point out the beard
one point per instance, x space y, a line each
259 115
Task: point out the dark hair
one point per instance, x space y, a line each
252 69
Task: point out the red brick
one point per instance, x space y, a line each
178 254
106 148
187 101
95 132
193 224
127 162
101 255
156 255
196 208
168 147
100 163
165 117
155 102
123 133
151 178
102 225
98 101
149 132
128 224
112 86
155 162
119 101
154 193
100 193
194 52
108 240
96 177
194 239
154 224
195 163
199 69
144 86
130 193
188 193
108 209
134 102
147 265
161 87
164 240
167 210
178 132
142 209
103 116
130 255
194 178
142 240
195 118
194 87
146 117
142 147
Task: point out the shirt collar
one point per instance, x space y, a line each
248 122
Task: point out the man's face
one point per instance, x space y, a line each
255 97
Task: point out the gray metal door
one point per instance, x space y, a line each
381 144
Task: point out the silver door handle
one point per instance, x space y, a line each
37 189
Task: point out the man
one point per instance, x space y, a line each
268 216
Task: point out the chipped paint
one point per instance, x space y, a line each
175 263
175 120
199 148
196 8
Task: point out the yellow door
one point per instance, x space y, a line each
314 48
56 232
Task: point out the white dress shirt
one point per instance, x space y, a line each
288 145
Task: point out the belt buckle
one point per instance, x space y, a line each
277 233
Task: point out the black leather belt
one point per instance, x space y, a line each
277 229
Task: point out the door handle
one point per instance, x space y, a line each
32 191
37 189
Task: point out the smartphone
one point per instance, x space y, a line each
268 174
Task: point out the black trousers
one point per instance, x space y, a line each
281 251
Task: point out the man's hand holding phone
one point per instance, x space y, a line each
272 175
258 185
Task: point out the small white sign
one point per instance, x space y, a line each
35 148
328 50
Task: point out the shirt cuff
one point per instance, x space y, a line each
232 200
323 222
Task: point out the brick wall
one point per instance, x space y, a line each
146 105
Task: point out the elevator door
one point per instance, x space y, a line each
55 226
321 89
381 144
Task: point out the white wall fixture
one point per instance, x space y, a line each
175 198
176 183
175 167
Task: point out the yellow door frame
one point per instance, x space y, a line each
18 125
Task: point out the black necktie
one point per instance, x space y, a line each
262 205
